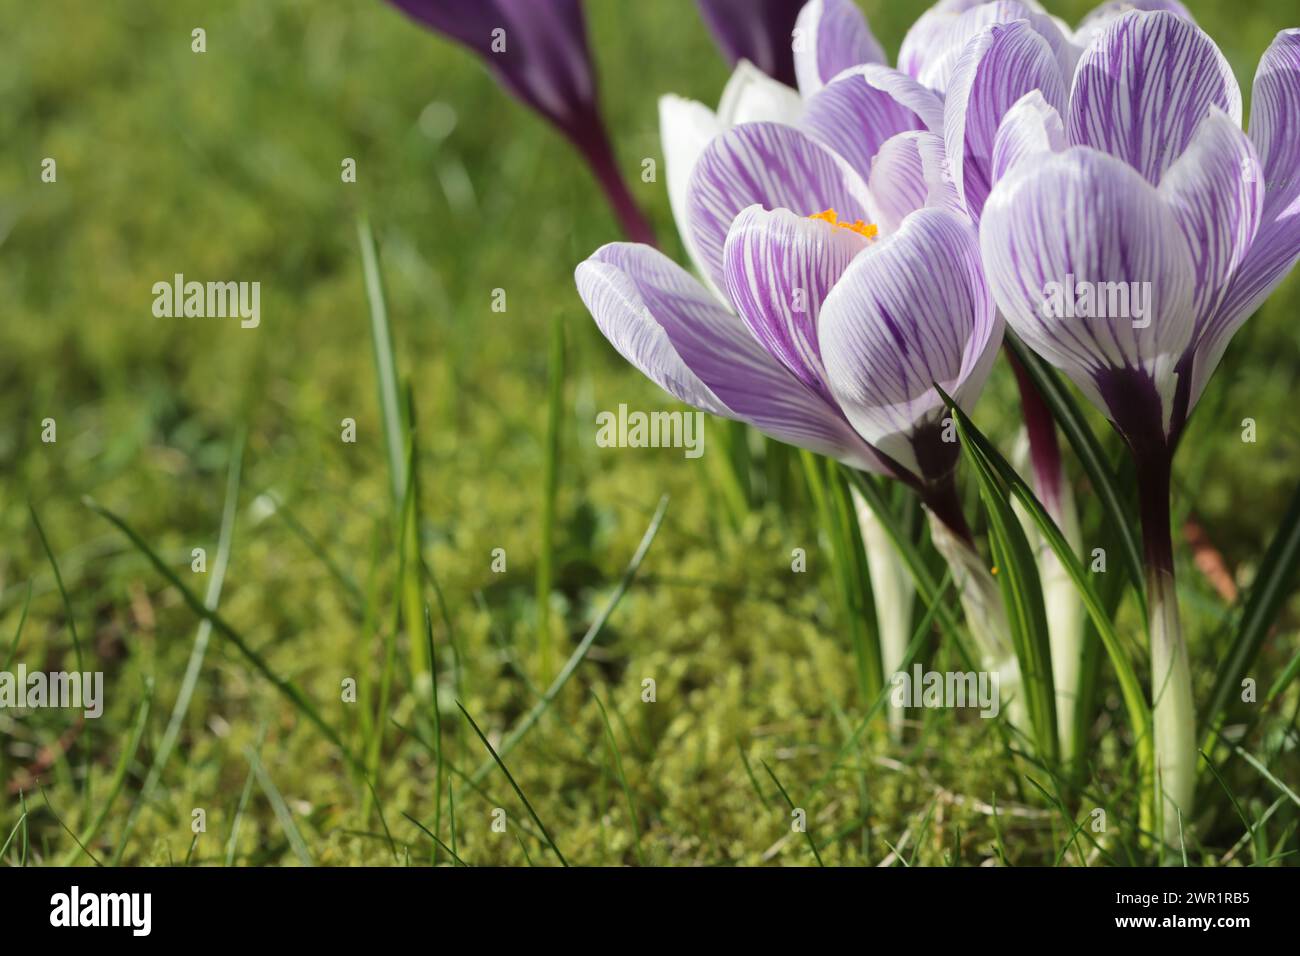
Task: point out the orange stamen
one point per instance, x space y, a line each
868 230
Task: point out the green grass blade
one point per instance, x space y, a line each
220 625
279 808
519 792
119 774
381 339
438 843
812 844
550 487
1135 702
622 779
534 714
190 680
18 631
1022 595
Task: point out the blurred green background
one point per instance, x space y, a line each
226 166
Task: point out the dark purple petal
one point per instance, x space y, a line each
1088 264
774 166
1143 87
760 31
910 311
910 172
1000 65
671 328
469 22
537 49
780 267
864 106
831 36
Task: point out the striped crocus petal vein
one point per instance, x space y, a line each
911 311
673 330
1143 87
773 166
829 37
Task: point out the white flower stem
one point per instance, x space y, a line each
986 615
1174 714
1061 601
1174 711
893 592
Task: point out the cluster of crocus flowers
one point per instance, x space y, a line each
537 50
1138 176
839 279
860 239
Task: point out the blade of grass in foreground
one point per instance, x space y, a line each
812 844
622 779
520 793
511 739
86 743
850 581
219 624
279 807
395 429
1135 703
119 775
550 485
18 632
1022 594
436 842
212 600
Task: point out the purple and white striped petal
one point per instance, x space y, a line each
1091 26
910 172
929 40
686 127
936 42
1088 264
780 267
646 305
1143 87
1000 65
774 166
667 325
1216 190
1275 120
1275 131
831 36
864 106
911 311
1029 129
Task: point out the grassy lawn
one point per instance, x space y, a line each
226 165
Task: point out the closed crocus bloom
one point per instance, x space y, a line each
793 41
537 49
1130 227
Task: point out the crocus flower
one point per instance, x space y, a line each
537 49
1137 183
858 144
840 287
